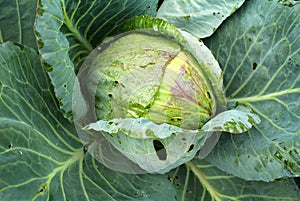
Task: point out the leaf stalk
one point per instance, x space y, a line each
214 194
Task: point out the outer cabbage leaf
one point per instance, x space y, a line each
198 17
237 120
289 2
200 180
41 158
258 49
140 128
16 21
68 30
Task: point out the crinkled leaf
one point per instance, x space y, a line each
258 49
141 128
68 30
16 21
237 120
202 181
41 157
198 17
289 2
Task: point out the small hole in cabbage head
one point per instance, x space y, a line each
208 95
110 122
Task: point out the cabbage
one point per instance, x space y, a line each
153 98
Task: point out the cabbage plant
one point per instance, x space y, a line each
149 100
153 89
